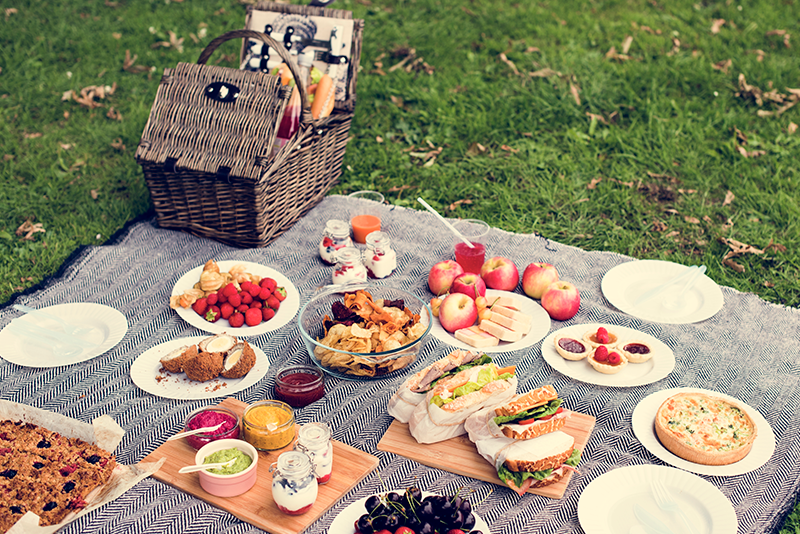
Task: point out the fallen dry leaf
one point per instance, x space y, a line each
410 54
676 47
11 11
574 90
531 49
598 118
114 114
27 229
687 191
612 54
94 194
692 220
117 144
716 24
759 54
116 35
173 42
508 149
792 128
508 62
777 247
593 184
674 233
32 135
475 149
733 265
750 153
672 211
544 73
723 66
8 157
396 189
728 224
728 198
626 184
707 219
626 44
128 64
379 139
737 248
659 226
77 165
783 33
457 203
768 284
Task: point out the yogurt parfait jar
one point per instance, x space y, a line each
314 440
335 237
294 486
380 259
349 266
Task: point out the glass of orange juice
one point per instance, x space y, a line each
365 217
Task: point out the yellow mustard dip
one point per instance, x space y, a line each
269 425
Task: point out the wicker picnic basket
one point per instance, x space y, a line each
208 162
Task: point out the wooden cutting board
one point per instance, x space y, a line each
256 506
458 455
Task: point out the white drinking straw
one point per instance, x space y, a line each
452 228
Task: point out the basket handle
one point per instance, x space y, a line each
305 115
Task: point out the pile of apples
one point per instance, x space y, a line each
447 279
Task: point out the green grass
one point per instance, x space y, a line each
666 150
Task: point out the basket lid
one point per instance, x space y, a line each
214 119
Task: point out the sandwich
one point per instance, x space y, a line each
453 399
531 463
413 390
529 415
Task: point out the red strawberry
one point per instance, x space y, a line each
265 293
246 285
212 299
243 308
247 298
280 293
253 317
226 310
267 313
236 320
273 302
212 314
254 290
269 283
601 354
235 300
222 298
200 306
257 304
230 289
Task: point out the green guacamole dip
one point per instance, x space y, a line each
242 462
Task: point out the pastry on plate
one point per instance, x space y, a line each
705 429
607 362
601 336
572 349
635 351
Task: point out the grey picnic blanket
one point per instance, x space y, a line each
750 349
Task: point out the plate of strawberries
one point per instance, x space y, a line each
238 297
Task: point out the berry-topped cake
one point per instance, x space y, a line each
607 362
47 473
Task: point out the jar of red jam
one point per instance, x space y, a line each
209 417
299 385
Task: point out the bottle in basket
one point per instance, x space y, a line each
314 440
294 486
349 266
335 237
380 258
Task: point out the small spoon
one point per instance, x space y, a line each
203 467
204 430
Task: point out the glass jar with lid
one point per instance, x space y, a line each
380 259
314 439
294 485
336 236
349 266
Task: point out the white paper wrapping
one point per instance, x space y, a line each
403 402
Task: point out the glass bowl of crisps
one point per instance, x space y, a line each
364 332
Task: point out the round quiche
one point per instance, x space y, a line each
705 429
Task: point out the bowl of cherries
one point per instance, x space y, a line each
411 511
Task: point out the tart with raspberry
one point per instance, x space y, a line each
607 362
601 336
572 349
635 351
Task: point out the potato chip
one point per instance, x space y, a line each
357 331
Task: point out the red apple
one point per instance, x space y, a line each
457 311
441 276
537 277
561 300
500 273
470 284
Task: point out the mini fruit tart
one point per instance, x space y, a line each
601 336
572 349
636 351
607 362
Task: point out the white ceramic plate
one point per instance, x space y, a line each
539 328
625 283
285 313
634 374
110 327
344 523
147 374
643 422
606 505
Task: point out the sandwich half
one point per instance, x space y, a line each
529 415
531 463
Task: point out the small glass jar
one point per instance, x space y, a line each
211 416
294 486
348 266
380 259
299 385
314 439
268 425
336 236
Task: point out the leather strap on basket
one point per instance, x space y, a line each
305 116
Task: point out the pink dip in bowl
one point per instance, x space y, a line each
209 417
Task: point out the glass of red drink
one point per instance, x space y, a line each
471 258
